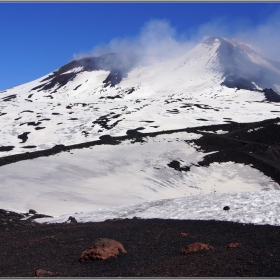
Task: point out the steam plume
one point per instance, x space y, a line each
159 38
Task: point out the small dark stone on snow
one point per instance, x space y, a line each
174 164
226 208
72 220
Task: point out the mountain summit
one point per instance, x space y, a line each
237 65
244 68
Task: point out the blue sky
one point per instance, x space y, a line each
38 38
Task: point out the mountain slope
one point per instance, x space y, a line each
114 93
150 129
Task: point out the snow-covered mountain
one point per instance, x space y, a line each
244 68
141 122
114 93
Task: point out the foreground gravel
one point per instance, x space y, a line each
153 249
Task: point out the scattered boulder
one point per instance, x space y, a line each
232 245
226 208
72 220
31 211
183 234
197 246
174 164
43 273
102 249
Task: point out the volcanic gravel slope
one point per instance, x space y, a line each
153 245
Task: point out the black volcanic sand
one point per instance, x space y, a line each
153 249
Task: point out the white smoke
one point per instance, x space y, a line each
265 37
158 38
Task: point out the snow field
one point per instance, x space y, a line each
106 176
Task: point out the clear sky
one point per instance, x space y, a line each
38 38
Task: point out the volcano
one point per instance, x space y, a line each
113 93
157 154
101 131
237 65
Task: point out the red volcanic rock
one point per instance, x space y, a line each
102 249
43 273
197 246
233 245
183 234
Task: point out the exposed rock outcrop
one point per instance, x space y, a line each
102 249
